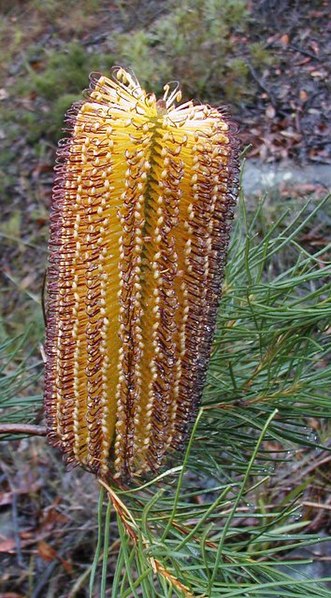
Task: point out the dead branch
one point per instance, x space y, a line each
28 429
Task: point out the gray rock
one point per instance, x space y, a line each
259 177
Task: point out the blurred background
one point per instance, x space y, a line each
265 61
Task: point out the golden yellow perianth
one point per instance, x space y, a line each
139 230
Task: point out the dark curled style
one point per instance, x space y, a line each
139 229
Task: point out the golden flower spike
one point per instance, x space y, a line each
140 218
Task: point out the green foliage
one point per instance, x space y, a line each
194 43
19 370
203 527
64 71
216 523
52 9
260 56
58 85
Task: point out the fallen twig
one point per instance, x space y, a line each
304 52
28 429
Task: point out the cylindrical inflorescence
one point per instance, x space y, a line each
139 228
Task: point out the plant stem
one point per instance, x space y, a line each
18 428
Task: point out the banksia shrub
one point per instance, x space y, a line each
140 218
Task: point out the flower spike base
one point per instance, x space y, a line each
141 209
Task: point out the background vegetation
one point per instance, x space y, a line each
230 517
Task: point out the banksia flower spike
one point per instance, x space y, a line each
141 209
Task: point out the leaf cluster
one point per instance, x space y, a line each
19 372
203 528
219 520
194 42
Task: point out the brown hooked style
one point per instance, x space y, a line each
139 229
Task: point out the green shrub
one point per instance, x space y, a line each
57 86
225 521
194 43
